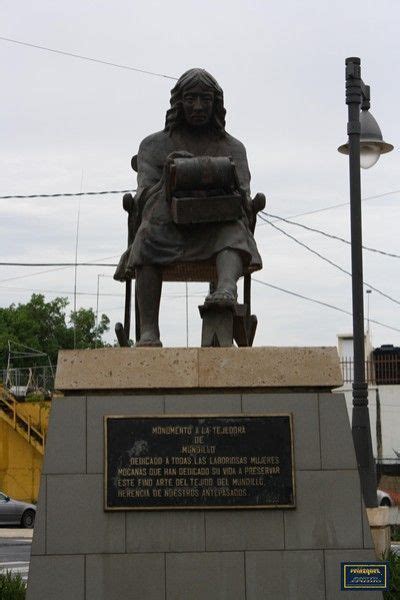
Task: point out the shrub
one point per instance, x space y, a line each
12 587
393 592
35 397
395 531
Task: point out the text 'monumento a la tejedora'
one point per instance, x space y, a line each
172 462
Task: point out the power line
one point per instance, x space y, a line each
67 264
333 264
71 293
326 234
60 268
198 294
272 216
318 210
62 292
113 265
326 304
88 58
66 194
99 193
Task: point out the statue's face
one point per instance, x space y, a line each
198 103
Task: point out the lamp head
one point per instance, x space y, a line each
371 141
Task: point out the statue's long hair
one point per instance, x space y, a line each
175 116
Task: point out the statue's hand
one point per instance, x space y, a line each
165 180
177 154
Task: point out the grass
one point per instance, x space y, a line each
12 587
393 592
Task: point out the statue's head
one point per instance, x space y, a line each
197 101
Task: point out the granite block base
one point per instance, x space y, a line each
81 551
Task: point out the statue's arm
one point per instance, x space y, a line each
151 158
239 156
146 163
255 205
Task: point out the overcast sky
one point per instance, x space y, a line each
67 123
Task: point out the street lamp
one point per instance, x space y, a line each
364 147
371 140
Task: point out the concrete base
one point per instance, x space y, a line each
81 552
380 521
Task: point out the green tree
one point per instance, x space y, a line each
44 326
88 334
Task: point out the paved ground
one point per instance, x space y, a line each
17 532
15 550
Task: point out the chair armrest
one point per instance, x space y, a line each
128 202
258 203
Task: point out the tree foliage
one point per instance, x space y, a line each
44 326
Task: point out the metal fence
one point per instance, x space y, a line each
31 379
380 370
387 466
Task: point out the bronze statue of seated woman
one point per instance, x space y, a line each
192 212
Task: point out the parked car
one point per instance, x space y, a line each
384 499
14 512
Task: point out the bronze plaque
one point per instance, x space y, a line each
198 462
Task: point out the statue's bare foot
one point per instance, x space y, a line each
221 299
148 340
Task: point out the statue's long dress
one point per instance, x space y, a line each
159 241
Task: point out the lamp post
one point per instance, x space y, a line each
368 292
364 147
97 303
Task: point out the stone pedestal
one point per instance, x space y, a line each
82 552
380 520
